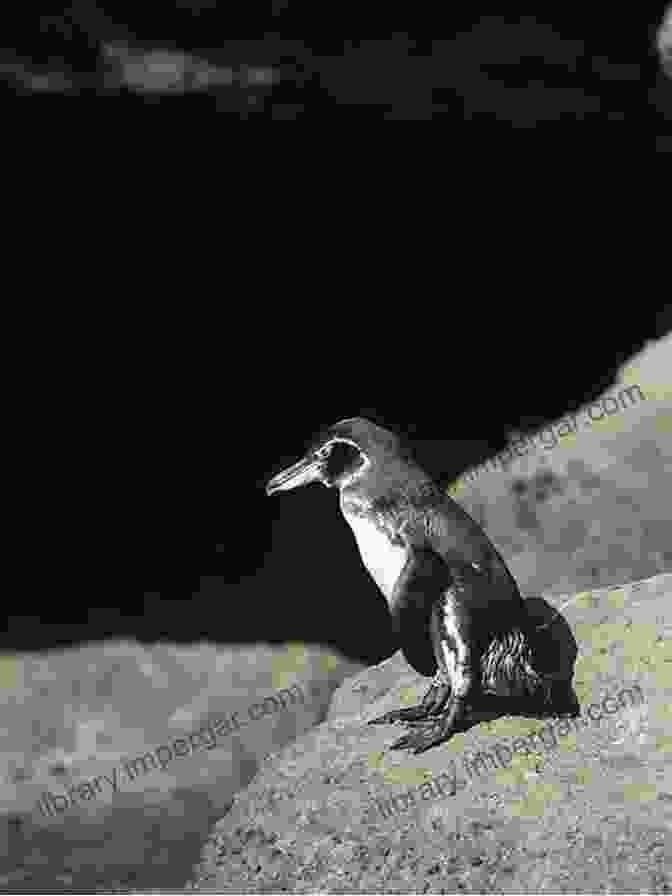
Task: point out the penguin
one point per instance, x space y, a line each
456 609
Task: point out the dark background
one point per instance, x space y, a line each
286 567
523 65
198 552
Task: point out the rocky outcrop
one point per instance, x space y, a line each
512 804
117 758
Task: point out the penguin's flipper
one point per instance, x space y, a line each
451 625
419 585
417 608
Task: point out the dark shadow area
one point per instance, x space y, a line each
555 651
132 847
555 648
280 569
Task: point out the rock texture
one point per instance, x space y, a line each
586 506
75 715
583 808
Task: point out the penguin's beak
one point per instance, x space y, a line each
308 469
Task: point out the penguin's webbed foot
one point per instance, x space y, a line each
433 731
433 704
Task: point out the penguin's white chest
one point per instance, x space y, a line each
383 559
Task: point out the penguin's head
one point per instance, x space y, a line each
338 456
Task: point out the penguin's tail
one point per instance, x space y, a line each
508 670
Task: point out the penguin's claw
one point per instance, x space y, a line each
433 731
425 736
433 704
410 714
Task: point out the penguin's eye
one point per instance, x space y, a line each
344 458
324 452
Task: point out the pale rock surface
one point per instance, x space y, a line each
71 715
592 507
591 814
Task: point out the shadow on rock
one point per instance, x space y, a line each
133 847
